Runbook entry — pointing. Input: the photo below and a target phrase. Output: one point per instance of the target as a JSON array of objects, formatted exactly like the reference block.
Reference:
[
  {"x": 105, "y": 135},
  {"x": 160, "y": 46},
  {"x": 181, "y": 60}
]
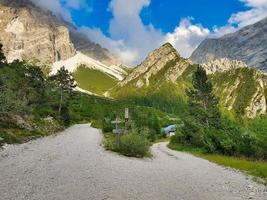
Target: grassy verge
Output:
[{"x": 257, "y": 169}]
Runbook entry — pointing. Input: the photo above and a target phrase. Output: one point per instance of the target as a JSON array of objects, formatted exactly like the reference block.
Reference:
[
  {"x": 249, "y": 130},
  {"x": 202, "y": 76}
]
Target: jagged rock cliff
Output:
[
  {"x": 222, "y": 65},
  {"x": 248, "y": 45},
  {"x": 164, "y": 61},
  {"x": 31, "y": 33},
  {"x": 27, "y": 32}
]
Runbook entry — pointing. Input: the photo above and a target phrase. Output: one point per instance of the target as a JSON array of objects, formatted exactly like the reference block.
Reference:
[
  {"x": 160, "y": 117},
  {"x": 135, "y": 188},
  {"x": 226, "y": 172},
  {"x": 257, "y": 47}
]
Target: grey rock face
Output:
[
  {"x": 249, "y": 45},
  {"x": 31, "y": 33},
  {"x": 222, "y": 65}
]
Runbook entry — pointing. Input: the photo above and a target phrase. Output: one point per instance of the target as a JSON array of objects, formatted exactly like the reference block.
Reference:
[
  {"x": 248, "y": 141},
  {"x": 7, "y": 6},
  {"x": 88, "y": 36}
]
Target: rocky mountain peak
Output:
[
  {"x": 249, "y": 45},
  {"x": 166, "y": 59}
]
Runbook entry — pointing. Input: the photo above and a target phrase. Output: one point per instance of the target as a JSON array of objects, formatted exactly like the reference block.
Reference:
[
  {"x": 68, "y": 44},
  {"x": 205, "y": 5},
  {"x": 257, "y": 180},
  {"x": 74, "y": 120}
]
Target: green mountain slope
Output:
[
  {"x": 93, "y": 80},
  {"x": 163, "y": 78}
]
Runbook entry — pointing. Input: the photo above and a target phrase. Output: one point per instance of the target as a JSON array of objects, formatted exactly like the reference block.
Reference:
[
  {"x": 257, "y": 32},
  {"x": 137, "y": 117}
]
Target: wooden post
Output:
[
  {"x": 117, "y": 131},
  {"x": 126, "y": 116}
]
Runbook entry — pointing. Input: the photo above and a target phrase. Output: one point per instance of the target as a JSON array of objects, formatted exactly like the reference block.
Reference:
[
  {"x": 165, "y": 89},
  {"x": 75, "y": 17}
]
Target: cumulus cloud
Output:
[
  {"x": 132, "y": 41},
  {"x": 127, "y": 26},
  {"x": 127, "y": 54},
  {"x": 257, "y": 11},
  {"x": 186, "y": 37}
]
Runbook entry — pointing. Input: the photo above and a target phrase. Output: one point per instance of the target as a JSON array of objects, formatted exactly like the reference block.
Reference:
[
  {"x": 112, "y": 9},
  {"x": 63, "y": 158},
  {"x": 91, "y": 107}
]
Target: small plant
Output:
[{"x": 134, "y": 145}]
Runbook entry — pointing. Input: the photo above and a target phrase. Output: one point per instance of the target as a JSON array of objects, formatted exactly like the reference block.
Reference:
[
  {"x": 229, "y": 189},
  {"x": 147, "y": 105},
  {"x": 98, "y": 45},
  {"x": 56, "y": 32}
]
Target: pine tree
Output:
[
  {"x": 65, "y": 82},
  {"x": 203, "y": 103}
]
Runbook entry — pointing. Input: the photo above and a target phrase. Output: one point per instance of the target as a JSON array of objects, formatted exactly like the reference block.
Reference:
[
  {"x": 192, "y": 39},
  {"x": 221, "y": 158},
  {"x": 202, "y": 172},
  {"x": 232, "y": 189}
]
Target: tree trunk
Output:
[{"x": 61, "y": 101}]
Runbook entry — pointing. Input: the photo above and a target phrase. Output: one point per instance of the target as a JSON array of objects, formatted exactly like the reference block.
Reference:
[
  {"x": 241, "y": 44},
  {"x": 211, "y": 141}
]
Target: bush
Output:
[
  {"x": 107, "y": 126},
  {"x": 133, "y": 145}
]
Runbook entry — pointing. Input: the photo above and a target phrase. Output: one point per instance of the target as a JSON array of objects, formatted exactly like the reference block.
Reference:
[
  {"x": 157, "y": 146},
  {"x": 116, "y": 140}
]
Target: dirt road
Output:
[{"x": 73, "y": 166}]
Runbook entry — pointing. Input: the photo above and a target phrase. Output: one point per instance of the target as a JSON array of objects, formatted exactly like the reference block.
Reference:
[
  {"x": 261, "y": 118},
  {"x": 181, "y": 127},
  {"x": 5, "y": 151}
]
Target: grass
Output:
[
  {"x": 94, "y": 81},
  {"x": 257, "y": 169}
]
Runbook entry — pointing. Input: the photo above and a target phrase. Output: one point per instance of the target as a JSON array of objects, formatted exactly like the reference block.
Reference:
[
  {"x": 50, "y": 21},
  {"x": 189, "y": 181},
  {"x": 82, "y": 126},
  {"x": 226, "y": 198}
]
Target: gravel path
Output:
[{"x": 73, "y": 166}]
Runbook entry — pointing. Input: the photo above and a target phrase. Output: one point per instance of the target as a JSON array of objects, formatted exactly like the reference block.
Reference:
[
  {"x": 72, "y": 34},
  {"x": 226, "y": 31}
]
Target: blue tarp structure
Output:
[{"x": 168, "y": 129}]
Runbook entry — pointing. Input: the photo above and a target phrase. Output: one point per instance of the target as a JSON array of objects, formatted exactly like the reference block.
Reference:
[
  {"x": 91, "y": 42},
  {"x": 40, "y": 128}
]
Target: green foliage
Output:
[
  {"x": 202, "y": 103},
  {"x": 27, "y": 96},
  {"x": 206, "y": 129},
  {"x": 93, "y": 80},
  {"x": 132, "y": 145},
  {"x": 64, "y": 83}
]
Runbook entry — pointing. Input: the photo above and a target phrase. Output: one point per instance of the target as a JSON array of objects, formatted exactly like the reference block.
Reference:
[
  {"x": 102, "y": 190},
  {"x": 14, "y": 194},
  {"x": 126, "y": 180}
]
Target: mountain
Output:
[
  {"x": 162, "y": 79},
  {"x": 164, "y": 61},
  {"x": 249, "y": 45},
  {"x": 31, "y": 33}
]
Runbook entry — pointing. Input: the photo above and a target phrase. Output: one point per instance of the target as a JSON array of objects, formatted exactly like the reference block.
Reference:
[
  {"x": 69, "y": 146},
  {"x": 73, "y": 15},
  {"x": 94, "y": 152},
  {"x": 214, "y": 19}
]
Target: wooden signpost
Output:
[{"x": 119, "y": 132}]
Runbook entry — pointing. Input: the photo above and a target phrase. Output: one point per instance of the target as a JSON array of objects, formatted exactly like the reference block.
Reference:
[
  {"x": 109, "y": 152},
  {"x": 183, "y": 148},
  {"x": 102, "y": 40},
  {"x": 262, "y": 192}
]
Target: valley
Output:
[{"x": 77, "y": 122}]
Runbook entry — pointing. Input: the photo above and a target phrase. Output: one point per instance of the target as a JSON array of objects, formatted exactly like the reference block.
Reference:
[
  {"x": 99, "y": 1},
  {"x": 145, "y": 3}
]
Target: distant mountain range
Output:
[{"x": 249, "y": 45}]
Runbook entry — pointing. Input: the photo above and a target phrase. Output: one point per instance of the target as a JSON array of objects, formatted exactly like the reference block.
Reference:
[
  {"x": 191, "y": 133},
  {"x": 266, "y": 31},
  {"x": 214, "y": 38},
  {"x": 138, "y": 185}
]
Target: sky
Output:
[{"x": 131, "y": 29}]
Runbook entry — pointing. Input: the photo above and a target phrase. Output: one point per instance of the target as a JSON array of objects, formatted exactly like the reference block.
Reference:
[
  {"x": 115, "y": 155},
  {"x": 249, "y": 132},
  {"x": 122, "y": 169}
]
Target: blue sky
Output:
[
  {"x": 164, "y": 14},
  {"x": 131, "y": 29}
]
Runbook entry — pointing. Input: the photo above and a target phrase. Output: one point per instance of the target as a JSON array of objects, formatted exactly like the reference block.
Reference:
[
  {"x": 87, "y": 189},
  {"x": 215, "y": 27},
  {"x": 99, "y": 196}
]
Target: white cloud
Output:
[
  {"x": 257, "y": 11},
  {"x": 132, "y": 41},
  {"x": 126, "y": 25},
  {"x": 118, "y": 47},
  {"x": 186, "y": 37}
]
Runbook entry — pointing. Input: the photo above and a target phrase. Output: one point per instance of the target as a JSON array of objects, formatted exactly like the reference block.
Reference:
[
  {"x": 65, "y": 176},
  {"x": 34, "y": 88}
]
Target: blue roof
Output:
[{"x": 170, "y": 128}]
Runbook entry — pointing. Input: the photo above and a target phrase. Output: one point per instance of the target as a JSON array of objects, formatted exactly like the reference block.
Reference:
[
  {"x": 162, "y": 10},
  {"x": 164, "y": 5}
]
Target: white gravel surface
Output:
[{"x": 73, "y": 166}]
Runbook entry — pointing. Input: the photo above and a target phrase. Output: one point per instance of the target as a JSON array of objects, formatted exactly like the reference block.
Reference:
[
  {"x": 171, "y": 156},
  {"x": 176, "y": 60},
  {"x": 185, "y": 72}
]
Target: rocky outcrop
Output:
[
  {"x": 164, "y": 61},
  {"x": 27, "y": 32},
  {"x": 222, "y": 65},
  {"x": 31, "y": 33},
  {"x": 241, "y": 90},
  {"x": 249, "y": 45}
]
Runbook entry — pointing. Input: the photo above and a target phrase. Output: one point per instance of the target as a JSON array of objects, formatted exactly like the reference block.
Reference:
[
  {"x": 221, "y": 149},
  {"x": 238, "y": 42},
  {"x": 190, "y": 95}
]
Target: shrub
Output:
[
  {"x": 107, "y": 126},
  {"x": 133, "y": 145}
]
